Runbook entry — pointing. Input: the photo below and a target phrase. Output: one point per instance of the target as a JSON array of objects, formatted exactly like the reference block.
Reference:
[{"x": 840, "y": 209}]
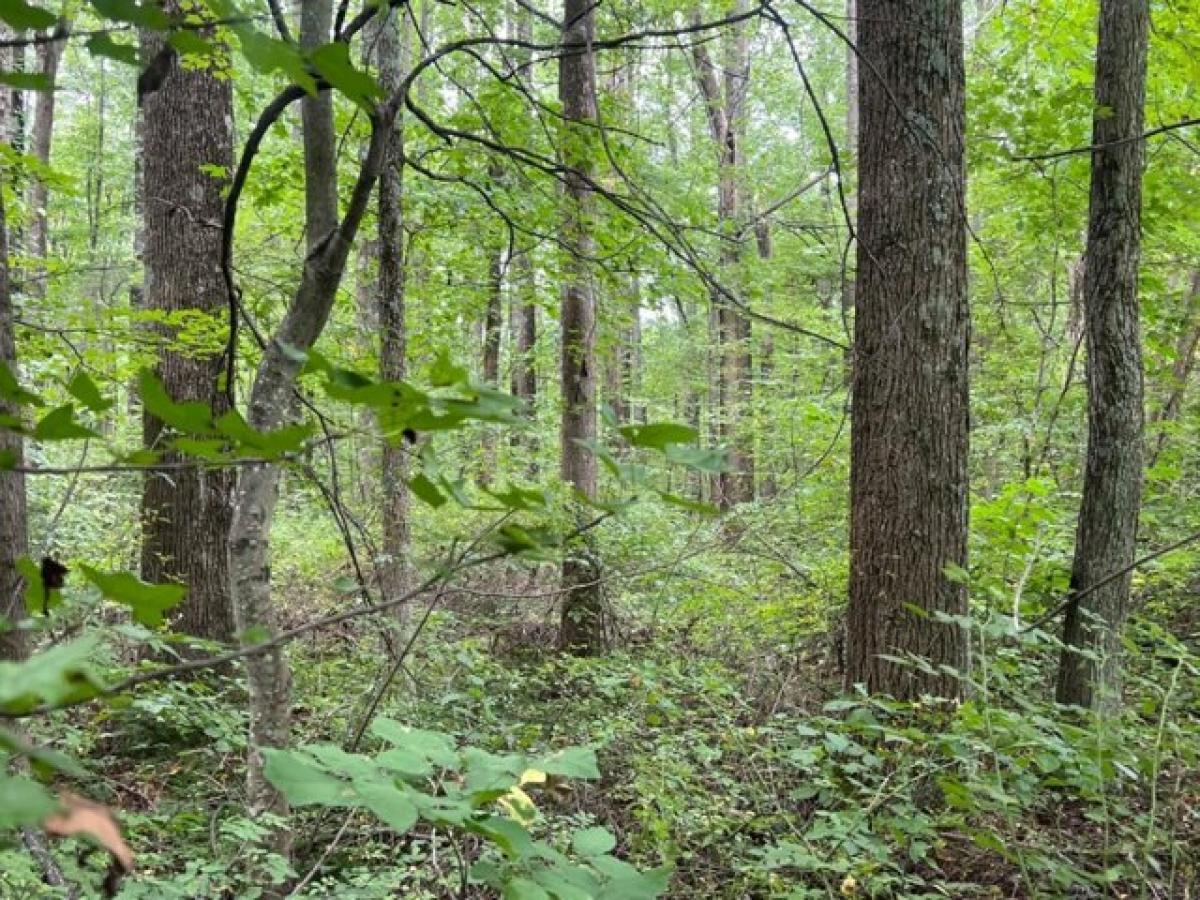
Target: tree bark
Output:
[
  {"x": 393, "y": 328},
  {"x": 1105, "y": 541},
  {"x": 14, "y": 534},
  {"x": 267, "y": 674},
  {"x": 187, "y": 124},
  {"x": 583, "y": 626},
  {"x": 908, "y": 481},
  {"x": 732, "y": 386},
  {"x": 524, "y": 311},
  {"x": 49, "y": 55}
]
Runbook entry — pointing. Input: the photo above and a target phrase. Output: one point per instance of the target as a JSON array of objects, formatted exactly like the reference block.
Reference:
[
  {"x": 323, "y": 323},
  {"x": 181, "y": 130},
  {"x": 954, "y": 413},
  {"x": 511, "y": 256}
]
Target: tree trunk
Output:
[
  {"x": 583, "y": 626},
  {"x": 187, "y": 124},
  {"x": 49, "y": 55},
  {"x": 729, "y": 328},
  {"x": 1181, "y": 369},
  {"x": 393, "y": 330},
  {"x": 493, "y": 325},
  {"x": 14, "y": 539},
  {"x": 1108, "y": 517},
  {"x": 267, "y": 675},
  {"x": 524, "y": 311},
  {"x": 908, "y": 481}
]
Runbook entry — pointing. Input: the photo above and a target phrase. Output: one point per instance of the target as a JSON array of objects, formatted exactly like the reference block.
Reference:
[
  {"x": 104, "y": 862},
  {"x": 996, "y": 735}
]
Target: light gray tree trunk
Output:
[
  {"x": 49, "y": 55},
  {"x": 1105, "y": 541},
  {"x": 187, "y": 125},
  {"x": 395, "y": 574},
  {"x": 724, "y": 93},
  {"x": 583, "y": 626},
  {"x": 267, "y": 675},
  {"x": 908, "y": 482}
]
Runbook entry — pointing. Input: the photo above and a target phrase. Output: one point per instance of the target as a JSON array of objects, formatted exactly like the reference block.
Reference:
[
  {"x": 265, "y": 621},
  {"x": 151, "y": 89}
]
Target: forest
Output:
[{"x": 599, "y": 449}]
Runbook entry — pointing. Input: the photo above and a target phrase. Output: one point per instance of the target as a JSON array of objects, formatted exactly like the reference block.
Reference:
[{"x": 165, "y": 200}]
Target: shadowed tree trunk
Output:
[
  {"x": 1108, "y": 517},
  {"x": 732, "y": 374},
  {"x": 187, "y": 125},
  {"x": 1181, "y": 369},
  {"x": 583, "y": 627},
  {"x": 493, "y": 325},
  {"x": 14, "y": 540},
  {"x": 523, "y": 316},
  {"x": 908, "y": 481},
  {"x": 393, "y": 329}
]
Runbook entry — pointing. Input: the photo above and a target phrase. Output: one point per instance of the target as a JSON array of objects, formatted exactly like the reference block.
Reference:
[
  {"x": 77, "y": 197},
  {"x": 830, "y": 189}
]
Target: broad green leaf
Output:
[
  {"x": 333, "y": 62},
  {"x": 697, "y": 506},
  {"x": 573, "y": 762},
  {"x": 60, "y": 425},
  {"x": 27, "y": 81},
  {"x": 24, "y": 16},
  {"x": 659, "y": 435},
  {"x": 145, "y": 15},
  {"x": 102, "y": 44},
  {"x": 698, "y": 458},
  {"x": 389, "y": 803},
  {"x": 593, "y": 841},
  {"x": 52, "y": 677},
  {"x": 426, "y": 490},
  {"x": 83, "y": 389},
  {"x": 148, "y": 602},
  {"x": 270, "y": 444},
  {"x": 524, "y": 889},
  {"x": 23, "y": 801},
  {"x": 267, "y": 55},
  {"x": 191, "y": 418},
  {"x": 11, "y": 390},
  {"x": 434, "y": 746},
  {"x": 302, "y": 781}
]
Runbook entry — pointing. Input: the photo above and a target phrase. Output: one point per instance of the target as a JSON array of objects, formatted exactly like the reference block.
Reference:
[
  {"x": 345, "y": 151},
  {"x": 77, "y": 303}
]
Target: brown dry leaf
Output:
[{"x": 81, "y": 816}]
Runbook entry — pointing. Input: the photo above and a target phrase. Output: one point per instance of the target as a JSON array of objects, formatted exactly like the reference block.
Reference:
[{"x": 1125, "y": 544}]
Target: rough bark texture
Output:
[
  {"x": 394, "y": 570},
  {"x": 187, "y": 125},
  {"x": 14, "y": 541},
  {"x": 1108, "y": 517},
  {"x": 730, "y": 328},
  {"x": 909, "y": 431},
  {"x": 49, "y": 55},
  {"x": 582, "y": 629}
]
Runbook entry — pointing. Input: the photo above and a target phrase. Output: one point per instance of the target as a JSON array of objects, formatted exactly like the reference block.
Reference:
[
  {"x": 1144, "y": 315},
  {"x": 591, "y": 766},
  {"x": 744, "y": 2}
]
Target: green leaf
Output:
[
  {"x": 52, "y": 677},
  {"x": 267, "y": 55},
  {"x": 333, "y": 62},
  {"x": 191, "y": 418},
  {"x": 434, "y": 746},
  {"x": 60, "y": 425},
  {"x": 24, "y": 16},
  {"x": 389, "y": 803},
  {"x": 83, "y": 389},
  {"x": 697, "y": 506},
  {"x": 27, "y": 81},
  {"x": 11, "y": 390},
  {"x": 524, "y": 889},
  {"x": 593, "y": 841},
  {"x": 102, "y": 44},
  {"x": 145, "y": 15},
  {"x": 191, "y": 44},
  {"x": 426, "y": 490},
  {"x": 302, "y": 781},
  {"x": 269, "y": 444},
  {"x": 658, "y": 436},
  {"x": 148, "y": 602},
  {"x": 699, "y": 458},
  {"x": 574, "y": 762},
  {"x": 23, "y": 802}
]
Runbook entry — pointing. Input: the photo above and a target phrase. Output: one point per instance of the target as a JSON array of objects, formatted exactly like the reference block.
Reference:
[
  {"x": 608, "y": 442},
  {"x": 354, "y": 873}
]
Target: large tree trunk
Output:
[
  {"x": 393, "y": 329},
  {"x": 493, "y": 326},
  {"x": 49, "y": 55},
  {"x": 14, "y": 540},
  {"x": 187, "y": 125},
  {"x": 583, "y": 627},
  {"x": 1112, "y": 488},
  {"x": 732, "y": 373},
  {"x": 909, "y": 430}
]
